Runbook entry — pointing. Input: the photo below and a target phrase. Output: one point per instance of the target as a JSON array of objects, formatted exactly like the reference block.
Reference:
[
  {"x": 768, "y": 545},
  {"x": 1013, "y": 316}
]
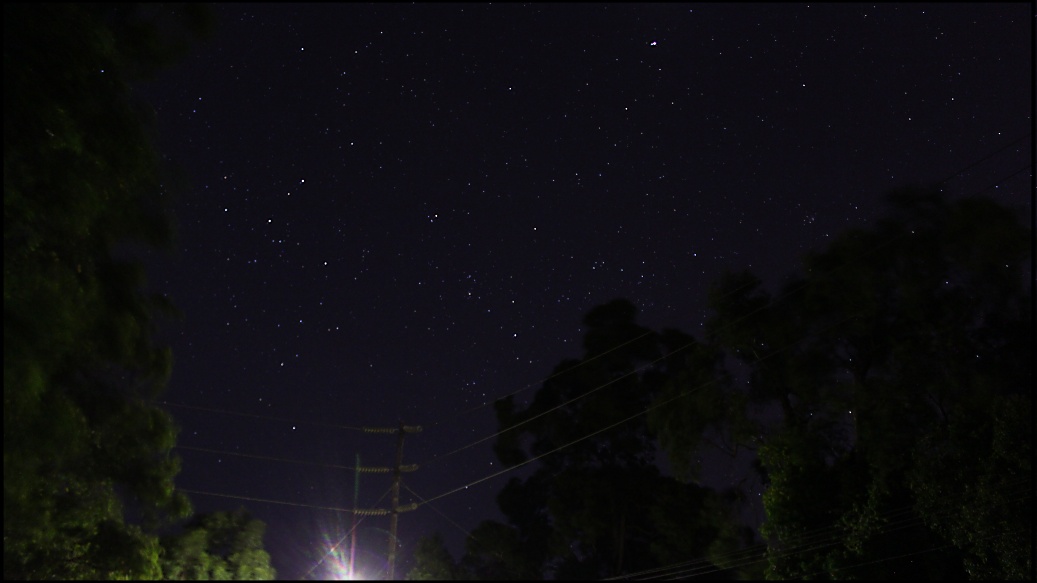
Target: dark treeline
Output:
[
  {"x": 88, "y": 468},
  {"x": 897, "y": 364},
  {"x": 884, "y": 393}
]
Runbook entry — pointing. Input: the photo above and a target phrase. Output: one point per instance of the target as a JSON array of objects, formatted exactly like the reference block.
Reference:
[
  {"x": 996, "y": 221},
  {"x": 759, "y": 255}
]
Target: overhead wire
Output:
[
  {"x": 882, "y": 560},
  {"x": 363, "y": 513},
  {"x": 770, "y": 305},
  {"x": 819, "y": 538},
  {"x": 639, "y": 369},
  {"x": 264, "y": 417},
  {"x": 361, "y": 469},
  {"x": 357, "y": 511},
  {"x": 588, "y": 436},
  {"x": 541, "y": 381},
  {"x": 528, "y": 386},
  {"x": 634, "y": 416},
  {"x": 773, "y": 302},
  {"x": 423, "y": 501},
  {"x": 351, "y": 531},
  {"x": 811, "y": 540},
  {"x": 469, "y": 536},
  {"x": 568, "y": 370},
  {"x": 753, "y": 556},
  {"x": 1011, "y": 143},
  {"x": 367, "y": 429},
  {"x": 1006, "y": 178},
  {"x": 620, "y": 422}
]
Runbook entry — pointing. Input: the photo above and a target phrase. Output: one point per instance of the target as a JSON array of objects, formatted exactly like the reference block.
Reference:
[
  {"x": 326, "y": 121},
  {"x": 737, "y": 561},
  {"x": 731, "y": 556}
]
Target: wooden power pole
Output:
[
  {"x": 352, "y": 531},
  {"x": 397, "y": 471}
]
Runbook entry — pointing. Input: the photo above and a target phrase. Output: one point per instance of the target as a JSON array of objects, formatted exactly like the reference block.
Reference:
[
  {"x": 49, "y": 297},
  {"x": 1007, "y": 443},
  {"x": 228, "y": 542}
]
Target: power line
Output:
[
  {"x": 448, "y": 519},
  {"x": 808, "y": 541},
  {"x": 812, "y": 540},
  {"x": 987, "y": 157},
  {"x": 378, "y": 512},
  {"x": 540, "y": 382},
  {"x": 634, "y": 416},
  {"x": 358, "y": 511},
  {"x": 655, "y": 406},
  {"x": 552, "y": 376},
  {"x": 544, "y": 380},
  {"x": 362, "y": 469},
  {"x": 1005, "y": 179},
  {"x": 468, "y": 535},
  {"x": 266, "y": 417},
  {"x": 770, "y": 305},
  {"x": 883, "y": 560},
  {"x": 348, "y": 533}
]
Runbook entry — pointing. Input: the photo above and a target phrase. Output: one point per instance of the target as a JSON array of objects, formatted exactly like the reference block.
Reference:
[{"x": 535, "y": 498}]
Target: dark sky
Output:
[{"x": 401, "y": 212}]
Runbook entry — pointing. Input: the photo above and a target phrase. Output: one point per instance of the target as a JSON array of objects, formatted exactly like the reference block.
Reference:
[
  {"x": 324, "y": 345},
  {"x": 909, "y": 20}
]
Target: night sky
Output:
[{"x": 398, "y": 213}]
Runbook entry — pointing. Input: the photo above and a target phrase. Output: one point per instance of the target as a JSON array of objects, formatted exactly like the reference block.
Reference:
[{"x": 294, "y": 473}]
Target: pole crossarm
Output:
[
  {"x": 400, "y": 431},
  {"x": 407, "y": 508},
  {"x": 385, "y": 511},
  {"x": 373, "y": 470},
  {"x": 384, "y": 470},
  {"x": 404, "y": 428}
]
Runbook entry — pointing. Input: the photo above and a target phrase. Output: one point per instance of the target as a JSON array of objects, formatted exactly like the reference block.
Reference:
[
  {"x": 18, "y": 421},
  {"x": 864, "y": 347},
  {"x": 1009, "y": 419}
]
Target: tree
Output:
[
  {"x": 495, "y": 552},
  {"x": 81, "y": 181},
  {"x": 973, "y": 483},
  {"x": 586, "y": 512},
  {"x": 433, "y": 561},
  {"x": 896, "y": 360},
  {"x": 895, "y": 373},
  {"x": 221, "y": 546}
]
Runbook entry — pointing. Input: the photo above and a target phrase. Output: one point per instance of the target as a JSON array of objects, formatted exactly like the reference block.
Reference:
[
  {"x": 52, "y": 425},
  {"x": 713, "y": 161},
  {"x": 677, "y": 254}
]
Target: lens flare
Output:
[{"x": 333, "y": 562}]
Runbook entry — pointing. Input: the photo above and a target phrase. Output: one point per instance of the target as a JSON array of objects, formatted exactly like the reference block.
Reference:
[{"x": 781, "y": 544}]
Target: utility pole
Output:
[
  {"x": 397, "y": 471},
  {"x": 395, "y": 513},
  {"x": 356, "y": 502}
]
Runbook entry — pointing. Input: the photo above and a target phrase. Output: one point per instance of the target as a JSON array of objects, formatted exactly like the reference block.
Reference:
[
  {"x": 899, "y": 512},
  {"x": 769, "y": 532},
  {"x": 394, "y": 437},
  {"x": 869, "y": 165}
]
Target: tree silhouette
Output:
[
  {"x": 896, "y": 359},
  {"x": 897, "y": 373},
  {"x": 598, "y": 505},
  {"x": 221, "y": 546},
  {"x": 81, "y": 181}
]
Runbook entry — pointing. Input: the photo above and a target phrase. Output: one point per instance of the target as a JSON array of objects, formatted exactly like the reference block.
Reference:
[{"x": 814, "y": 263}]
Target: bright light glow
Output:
[
  {"x": 332, "y": 552},
  {"x": 334, "y": 562},
  {"x": 336, "y": 565}
]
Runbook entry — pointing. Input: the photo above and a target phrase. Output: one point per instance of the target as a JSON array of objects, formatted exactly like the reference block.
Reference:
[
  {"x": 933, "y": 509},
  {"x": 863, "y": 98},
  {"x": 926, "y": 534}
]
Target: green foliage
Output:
[
  {"x": 221, "y": 546},
  {"x": 495, "y": 552},
  {"x": 598, "y": 506},
  {"x": 81, "y": 179},
  {"x": 695, "y": 399},
  {"x": 892, "y": 359},
  {"x": 901, "y": 363},
  {"x": 973, "y": 483},
  {"x": 433, "y": 562}
]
